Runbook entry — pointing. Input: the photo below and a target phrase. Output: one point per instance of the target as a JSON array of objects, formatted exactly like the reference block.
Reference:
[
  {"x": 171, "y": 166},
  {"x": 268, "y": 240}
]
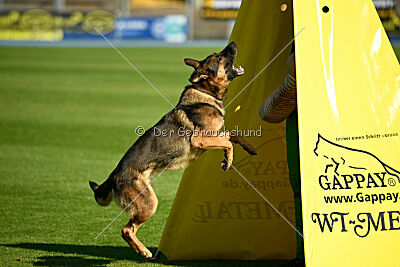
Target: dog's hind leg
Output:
[
  {"x": 140, "y": 210},
  {"x": 129, "y": 235}
]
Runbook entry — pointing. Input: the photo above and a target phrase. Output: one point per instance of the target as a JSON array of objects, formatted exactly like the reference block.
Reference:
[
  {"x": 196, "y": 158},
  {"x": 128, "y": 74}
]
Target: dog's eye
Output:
[{"x": 219, "y": 58}]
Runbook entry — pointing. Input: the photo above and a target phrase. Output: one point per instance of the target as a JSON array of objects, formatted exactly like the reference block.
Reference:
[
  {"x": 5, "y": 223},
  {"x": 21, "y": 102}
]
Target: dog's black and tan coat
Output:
[{"x": 200, "y": 110}]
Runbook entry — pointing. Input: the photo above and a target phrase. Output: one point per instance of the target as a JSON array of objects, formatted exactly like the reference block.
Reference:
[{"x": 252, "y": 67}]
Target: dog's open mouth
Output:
[{"x": 239, "y": 70}]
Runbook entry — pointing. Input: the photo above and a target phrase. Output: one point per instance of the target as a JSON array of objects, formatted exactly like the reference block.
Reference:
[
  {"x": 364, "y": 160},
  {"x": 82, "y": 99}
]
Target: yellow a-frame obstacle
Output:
[{"x": 348, "y": 81}]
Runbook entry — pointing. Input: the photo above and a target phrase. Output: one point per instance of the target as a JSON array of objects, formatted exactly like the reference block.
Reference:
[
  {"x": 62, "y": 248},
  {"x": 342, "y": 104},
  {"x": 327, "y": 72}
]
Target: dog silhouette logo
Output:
[{"x": 346, "y": 168}]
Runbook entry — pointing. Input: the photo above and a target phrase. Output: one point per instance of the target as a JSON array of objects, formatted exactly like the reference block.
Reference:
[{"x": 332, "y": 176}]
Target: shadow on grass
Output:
[
  {"x": 69, "y": 261},
  {"x": 107, "y": 254}
]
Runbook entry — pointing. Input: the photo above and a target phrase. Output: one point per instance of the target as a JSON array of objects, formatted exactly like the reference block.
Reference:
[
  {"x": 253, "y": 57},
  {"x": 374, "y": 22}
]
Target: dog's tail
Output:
[{"x": 103, "y": 192}]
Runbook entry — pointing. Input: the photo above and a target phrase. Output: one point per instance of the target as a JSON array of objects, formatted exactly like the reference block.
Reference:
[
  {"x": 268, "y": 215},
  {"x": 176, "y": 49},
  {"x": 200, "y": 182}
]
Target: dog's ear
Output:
[{"x": 192, "y": 62}]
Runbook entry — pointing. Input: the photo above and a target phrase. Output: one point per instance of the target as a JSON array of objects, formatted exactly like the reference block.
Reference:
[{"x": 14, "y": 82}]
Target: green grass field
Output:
[{"x": 67, "y": 115}]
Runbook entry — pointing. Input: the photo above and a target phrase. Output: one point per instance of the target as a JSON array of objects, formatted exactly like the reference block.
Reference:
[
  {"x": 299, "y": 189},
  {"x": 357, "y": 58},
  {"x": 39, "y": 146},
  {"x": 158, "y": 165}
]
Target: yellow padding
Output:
[
  {"x": 348, "y": 85},
  {"x": 216, "y": 214}
]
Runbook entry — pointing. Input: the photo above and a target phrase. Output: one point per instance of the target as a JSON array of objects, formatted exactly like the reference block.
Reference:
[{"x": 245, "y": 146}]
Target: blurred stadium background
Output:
[{"x": 158, "y": 20}]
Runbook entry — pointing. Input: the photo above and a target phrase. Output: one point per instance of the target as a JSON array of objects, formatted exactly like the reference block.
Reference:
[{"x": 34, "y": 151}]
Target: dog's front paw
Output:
[{"x": 225, "y": 164}]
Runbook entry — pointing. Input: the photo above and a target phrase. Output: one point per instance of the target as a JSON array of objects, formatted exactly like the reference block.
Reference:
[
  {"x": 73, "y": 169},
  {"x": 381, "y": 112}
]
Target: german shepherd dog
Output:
[{"x": 200, "y": 111}]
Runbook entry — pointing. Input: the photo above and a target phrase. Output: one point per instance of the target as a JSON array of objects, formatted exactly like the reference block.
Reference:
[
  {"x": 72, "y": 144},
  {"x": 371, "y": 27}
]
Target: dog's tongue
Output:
[{"x": 239, "y": 71}]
